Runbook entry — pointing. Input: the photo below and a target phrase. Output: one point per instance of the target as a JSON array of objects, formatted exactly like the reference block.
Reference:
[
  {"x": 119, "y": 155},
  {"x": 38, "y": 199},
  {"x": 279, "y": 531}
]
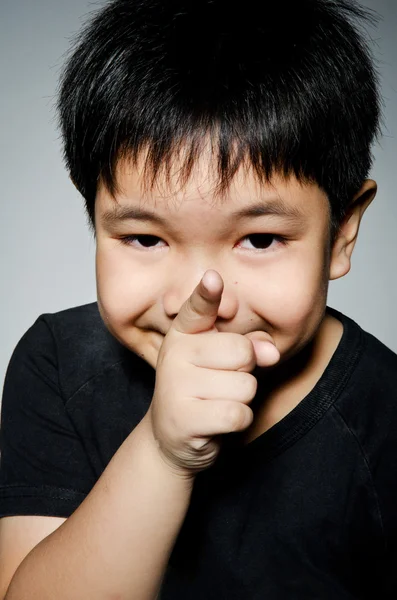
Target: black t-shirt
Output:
[{"x": 308, "y": 510}]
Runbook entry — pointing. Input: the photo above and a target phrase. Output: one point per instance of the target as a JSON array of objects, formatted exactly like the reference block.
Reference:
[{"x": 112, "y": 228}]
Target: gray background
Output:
[{"x": 47, "y": 252}]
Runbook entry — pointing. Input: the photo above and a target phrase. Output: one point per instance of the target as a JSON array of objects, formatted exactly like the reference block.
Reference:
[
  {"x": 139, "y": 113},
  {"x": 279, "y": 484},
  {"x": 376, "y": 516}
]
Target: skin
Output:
[{"x": 269, "y": 286}]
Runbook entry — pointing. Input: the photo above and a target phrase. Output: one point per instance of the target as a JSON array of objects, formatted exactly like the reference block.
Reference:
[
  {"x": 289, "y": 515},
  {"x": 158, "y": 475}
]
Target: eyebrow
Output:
[{"x": 273, "y": 207}]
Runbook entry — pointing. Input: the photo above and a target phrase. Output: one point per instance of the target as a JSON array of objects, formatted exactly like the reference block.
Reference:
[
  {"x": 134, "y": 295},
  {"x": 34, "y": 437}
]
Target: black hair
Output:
[{"x": 281, "y": 86}]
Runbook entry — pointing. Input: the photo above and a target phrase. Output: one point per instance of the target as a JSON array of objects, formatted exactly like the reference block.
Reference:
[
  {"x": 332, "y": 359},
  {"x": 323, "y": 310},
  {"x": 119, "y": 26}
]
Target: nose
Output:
[{"x": 182, "y": 286}]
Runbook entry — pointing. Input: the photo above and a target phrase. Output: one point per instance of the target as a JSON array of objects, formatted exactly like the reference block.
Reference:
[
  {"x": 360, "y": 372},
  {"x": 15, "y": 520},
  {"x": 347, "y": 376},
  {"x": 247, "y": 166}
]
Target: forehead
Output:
[{"x": 244, "y": 197}]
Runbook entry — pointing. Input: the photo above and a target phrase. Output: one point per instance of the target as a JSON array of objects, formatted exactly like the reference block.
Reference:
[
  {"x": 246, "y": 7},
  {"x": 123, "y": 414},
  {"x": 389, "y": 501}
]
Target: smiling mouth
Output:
[{"x": 159, "y": 336}]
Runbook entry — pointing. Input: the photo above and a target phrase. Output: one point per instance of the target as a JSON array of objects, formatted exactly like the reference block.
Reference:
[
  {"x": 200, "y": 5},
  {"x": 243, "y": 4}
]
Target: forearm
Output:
[{"x": 118, "y": 542}]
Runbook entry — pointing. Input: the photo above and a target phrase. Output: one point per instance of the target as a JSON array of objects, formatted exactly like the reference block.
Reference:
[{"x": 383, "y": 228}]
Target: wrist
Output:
[{"x": 147, "y": 436}]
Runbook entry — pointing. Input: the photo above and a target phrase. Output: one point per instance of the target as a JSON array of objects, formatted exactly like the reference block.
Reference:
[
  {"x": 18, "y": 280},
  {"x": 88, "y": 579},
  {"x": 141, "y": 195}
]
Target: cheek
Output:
[
  {"x": 123, "y": 295},
  {"x": 119, "y": 296},
  {"x": 296, "y": 295}
]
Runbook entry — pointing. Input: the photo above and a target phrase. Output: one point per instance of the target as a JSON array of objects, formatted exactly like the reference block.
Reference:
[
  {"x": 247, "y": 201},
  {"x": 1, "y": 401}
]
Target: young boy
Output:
[{"x": 209, "y": 428}]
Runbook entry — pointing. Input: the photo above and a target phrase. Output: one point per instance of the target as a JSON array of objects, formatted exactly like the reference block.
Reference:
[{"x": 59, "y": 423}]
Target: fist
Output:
[{"x": 203, "y": 381}]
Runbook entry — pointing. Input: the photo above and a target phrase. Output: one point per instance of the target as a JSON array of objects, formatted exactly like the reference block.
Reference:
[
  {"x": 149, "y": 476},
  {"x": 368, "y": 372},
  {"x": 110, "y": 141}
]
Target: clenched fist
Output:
[{"x": 203, "y": 381}]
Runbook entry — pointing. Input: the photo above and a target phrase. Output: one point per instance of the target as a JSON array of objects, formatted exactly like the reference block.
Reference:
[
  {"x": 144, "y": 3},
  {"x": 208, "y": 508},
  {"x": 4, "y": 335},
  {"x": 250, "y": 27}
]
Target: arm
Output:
[
  {"x": 19, "y": 534},
  {"x": 118, "y": 542}
]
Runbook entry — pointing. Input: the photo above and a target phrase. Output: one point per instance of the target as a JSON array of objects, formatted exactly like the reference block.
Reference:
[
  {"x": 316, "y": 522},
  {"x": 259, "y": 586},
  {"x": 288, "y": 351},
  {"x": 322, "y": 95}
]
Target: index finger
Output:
[{"x": 200, "y": 310}]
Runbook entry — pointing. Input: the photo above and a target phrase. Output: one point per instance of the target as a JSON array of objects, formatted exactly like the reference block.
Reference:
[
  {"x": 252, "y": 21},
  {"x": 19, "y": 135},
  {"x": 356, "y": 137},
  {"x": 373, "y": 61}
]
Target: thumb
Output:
[
  {"x": 265, "y": 349},
  {"x": 200, "y": 310}
]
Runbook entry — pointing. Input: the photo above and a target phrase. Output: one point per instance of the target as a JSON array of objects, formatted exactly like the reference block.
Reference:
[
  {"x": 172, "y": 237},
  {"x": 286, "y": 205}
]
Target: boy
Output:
[{"x": 209, "y": 428}]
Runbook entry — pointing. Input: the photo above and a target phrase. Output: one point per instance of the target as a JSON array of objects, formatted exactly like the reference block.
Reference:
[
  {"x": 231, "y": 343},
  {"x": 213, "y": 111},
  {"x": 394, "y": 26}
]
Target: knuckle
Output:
[
  {"x": 193, "y": 309},
  {"x": 252, "y": 384},
  {"x": 234, "y": 416},
  {"x": 249, "y": 385},
  {"x": 246, "y": 353},
  {"x": 246, "y": 361}
]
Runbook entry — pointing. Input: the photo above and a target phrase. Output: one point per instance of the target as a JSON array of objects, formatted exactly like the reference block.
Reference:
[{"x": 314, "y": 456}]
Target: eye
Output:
[
  {"x": 264, "y": 241},
  {"x": 141, "y": 241}
]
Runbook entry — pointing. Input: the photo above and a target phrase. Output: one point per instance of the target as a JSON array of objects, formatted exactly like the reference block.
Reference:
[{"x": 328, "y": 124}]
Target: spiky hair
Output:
[{"x": 281, "y": 86}]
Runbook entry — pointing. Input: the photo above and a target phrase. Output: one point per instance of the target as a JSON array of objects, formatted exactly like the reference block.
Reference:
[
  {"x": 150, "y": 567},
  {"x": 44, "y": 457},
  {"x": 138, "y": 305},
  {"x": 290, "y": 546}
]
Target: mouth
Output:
[{"x": 158, "y": 338}]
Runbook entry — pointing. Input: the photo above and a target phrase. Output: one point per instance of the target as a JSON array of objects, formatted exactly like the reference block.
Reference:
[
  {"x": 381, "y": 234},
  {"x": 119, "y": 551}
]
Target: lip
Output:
[
  {"x": 158, "y": 332},
  {"x": 159, "y": 336},
  {"x": 151, "y": 330}
]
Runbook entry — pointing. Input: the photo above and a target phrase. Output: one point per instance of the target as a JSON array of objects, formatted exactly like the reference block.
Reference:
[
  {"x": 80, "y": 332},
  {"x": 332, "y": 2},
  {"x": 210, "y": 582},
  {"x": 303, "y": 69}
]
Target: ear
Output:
[{"x": 345, "y": 240}]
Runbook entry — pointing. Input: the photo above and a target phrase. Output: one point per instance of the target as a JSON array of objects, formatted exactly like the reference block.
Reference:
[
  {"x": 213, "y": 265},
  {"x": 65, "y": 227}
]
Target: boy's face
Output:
[{"x": 274, "y": 262}]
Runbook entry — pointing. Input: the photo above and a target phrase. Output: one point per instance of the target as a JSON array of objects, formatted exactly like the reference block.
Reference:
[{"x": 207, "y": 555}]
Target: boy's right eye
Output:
[{"x": 141, "y": 241}]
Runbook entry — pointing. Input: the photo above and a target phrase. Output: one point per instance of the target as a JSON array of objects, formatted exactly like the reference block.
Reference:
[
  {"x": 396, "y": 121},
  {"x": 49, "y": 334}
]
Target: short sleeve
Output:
[{"x": 41, "y": 456}]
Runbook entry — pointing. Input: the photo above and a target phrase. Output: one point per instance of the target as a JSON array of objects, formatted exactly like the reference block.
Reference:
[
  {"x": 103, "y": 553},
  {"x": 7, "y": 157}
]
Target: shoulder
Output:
[
  {"x": 373, "y": 382},
  {"x": 367, "y": 407},
  {"x": 380, "y": 360},
  {"x": 73, "y": 344},
  {"x": 370, "y": 365},
  {"x": 368, "y": 402},
  {"x": 371, "y": 389}
]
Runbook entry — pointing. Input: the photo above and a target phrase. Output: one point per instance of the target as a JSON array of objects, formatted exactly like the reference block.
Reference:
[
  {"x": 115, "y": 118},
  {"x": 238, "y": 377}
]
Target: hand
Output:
[{"x": 203, "y": 381}]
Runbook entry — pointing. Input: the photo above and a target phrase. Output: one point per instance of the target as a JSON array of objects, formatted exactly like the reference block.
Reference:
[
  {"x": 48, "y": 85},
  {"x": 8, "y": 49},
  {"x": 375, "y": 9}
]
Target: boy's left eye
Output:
[{"x": 263, "y": 241}]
